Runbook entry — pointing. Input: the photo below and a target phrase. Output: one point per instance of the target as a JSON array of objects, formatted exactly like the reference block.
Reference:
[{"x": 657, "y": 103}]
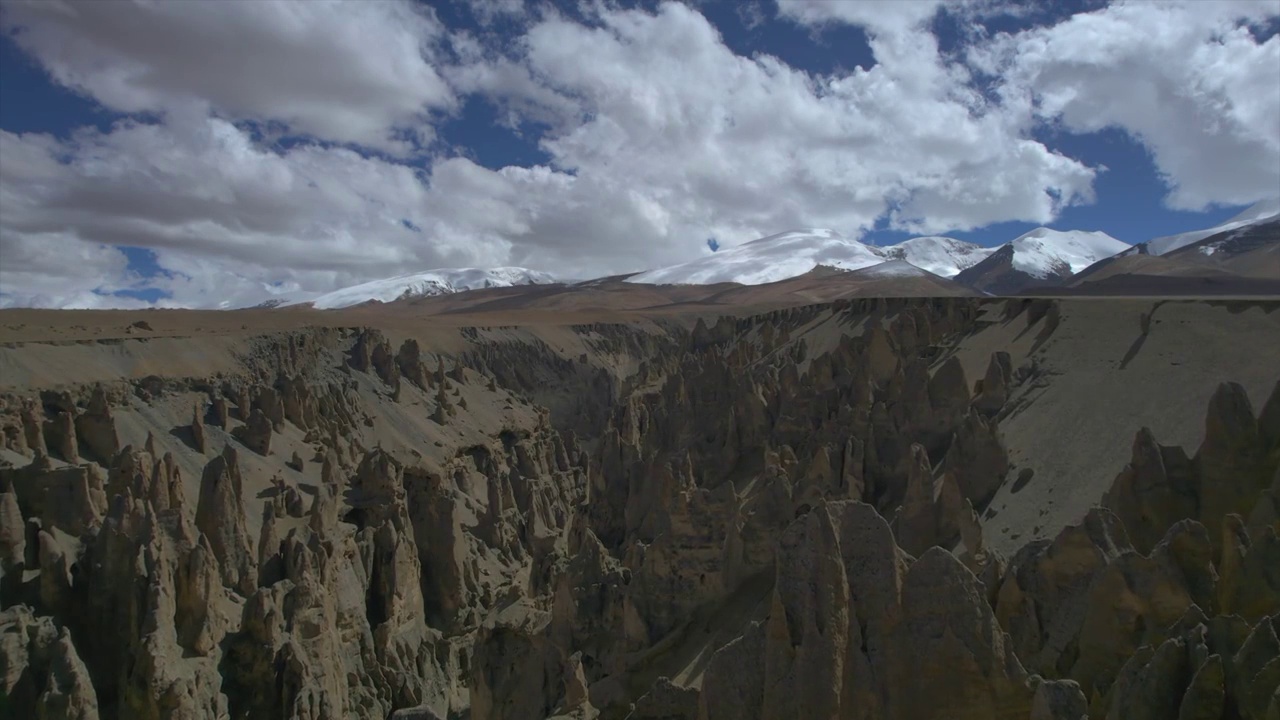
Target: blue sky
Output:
[{"x": 601, "y": 137}]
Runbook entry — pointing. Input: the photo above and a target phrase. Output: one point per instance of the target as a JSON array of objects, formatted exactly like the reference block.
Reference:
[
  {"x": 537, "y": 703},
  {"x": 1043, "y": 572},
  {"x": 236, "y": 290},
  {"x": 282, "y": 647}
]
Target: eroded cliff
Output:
[{"x": 804, "y": 513}]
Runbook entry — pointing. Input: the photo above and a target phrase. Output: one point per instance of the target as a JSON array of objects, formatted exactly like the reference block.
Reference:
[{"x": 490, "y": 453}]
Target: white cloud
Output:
[
  {"x": 752, "y": 144},
  {"x": 664, "y": 137},
  {"x": 486, "y": 12},
  {"x": 876, "y": 16},
  {"x": 352, "y": 72},
  {"x": 203, "y": 190},
  {"x": 55, "y": 270},
  {"x": 1189, "y": 80}
]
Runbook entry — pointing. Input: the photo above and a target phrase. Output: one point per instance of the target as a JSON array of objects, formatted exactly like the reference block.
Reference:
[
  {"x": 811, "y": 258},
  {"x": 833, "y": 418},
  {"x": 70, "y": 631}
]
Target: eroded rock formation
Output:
[{"x": 736, "y": 518}]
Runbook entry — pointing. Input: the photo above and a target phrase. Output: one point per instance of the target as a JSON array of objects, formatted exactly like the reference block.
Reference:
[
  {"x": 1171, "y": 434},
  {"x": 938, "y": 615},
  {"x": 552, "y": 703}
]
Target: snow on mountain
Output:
[
  {"x": 767, "y": 260},
  {"x": 1264, "y": 210},
  {"x": 1044, "y": 253},
  {"x": 939, "y": 255},
  {"x": 432, "y": 282},
  {"x": 893, "y": 269}
]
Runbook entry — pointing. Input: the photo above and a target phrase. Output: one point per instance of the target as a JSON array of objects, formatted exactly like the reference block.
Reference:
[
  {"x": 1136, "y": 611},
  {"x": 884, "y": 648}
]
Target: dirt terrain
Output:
[{"x": 627, "y": 501}]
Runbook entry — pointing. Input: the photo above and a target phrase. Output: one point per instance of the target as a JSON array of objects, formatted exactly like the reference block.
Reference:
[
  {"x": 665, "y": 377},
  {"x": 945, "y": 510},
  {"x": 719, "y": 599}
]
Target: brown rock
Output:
[
  {"x": 1151, "y": 684},
  {"x": 33, "y": 430},
  {"x": 994, "y": 392},
  {"x": 1230, "y": 462},
  {"x": 255, "y": 433},
  {"x": 1248, "y": 673},
  {"x": 948, "y": 392},
  {"x": 61, "y": 435},
  {"x": 197, "y": 428},
  {"x": 409, "y": 360},
  {"x": 1250, "y": 584},
  {"x": 948, "y": 644},
  {"x": 977, "y": 458},
  {"x": 221, "y": 415},
  {"x": 14, "y": 439},
  {"x": 323, "y": 515},
  {"x": 916, "y": 523},
  {"x": 41, "y": 672},
  {"x": 807, "y": 634},
  {"x": 12, "y": 537},
  {"x": 270, "y": 563},
  {"x": 1155, "y": 490},
  {"x": 96, "y": 428},
  {"x": 220, "y": 516},
  {"x": 1059, "y": 700},
  {"x": 733, "y": 684},
  {"x": 1206, "y": 695}
]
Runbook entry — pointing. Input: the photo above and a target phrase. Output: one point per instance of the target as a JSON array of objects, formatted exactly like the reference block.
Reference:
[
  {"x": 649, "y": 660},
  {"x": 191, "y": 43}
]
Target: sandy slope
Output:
[{"x": 1103, "y": 379}]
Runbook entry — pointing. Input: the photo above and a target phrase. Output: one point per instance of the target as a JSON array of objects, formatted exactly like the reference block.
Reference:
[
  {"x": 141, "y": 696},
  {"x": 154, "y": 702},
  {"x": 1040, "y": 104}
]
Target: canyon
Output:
[{"x": 907, "y": 508}]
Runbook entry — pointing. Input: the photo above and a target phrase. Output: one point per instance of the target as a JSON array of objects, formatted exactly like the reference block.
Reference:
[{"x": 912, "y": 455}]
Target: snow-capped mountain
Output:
[
  {"x": 939, "y": 255},
  {"x": 893, "y": 269},
  {"x": 1042, "y": 252},
  {"x": 1259, "y": 212},
  {"x": 767, "y": 260},
  {"x": 1040, "y": 257},
  {"x": 431, "y": 282}
]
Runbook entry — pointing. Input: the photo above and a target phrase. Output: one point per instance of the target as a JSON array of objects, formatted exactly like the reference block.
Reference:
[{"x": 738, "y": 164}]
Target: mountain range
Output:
[{"x": 1242, "y": 254}]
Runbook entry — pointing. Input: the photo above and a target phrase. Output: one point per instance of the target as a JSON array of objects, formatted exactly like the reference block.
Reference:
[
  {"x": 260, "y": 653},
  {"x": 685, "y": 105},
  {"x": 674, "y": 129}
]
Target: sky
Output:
[{"x": 212, "y": 154}]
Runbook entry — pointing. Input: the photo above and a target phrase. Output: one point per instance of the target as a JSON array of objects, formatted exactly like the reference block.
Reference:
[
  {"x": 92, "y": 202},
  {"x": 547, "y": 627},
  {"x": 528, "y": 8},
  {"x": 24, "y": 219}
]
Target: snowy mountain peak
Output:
[
  {"x": 1045, "y": 252},
  {"x": 799, "y": 234},
  {"x": 1257, "y": 212},
  {"x": 892, "y": 269},
  {"x": 432, "y": 282},
  {"x": 769, "y": 259},
  {"x": 1263, "y": 210},
  {"x": 939, "y": 255}
]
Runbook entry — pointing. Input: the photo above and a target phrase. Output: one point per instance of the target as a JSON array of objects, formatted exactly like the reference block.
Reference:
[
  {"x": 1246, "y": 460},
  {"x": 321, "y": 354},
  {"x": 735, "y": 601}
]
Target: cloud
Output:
[
  {"x": 665, "y": 137},
  {"x": 1189, "y": 80},
  {"x": 751, "y": 143},
  {"x": 876, "y": 16},
  {"x": 350, "y": 72},
  {"x": 56, "y": 269},
  {"x": 486, "y": 12},
  {"x": 203, "y": 189}
]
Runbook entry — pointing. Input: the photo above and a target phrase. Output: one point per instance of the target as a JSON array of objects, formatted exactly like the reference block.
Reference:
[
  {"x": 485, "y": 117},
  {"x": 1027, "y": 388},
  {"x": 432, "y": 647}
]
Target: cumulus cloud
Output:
[
  {"x": 658, "y": 136},
  {"x": 710, "y": 135},
  {"x": 51, "y": 270},
  {"x": 1189, "y": 80},
  {"x": 352, "y": 72},
  {"x": 204, "y": 190}
]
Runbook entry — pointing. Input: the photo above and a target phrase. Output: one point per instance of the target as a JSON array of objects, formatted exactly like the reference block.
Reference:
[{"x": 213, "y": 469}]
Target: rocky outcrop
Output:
[
  {"x": 60, "y": 433},
  {"x": 1230, "y": 474},
  {"x": 42, "y": 673},
  {"x": 255, "y": 434},
  {"x": 947, "y": 643},
  {"x": 197, "y": 429},
  {"x": 220, "y": 516},
  {"x": 992, "y": 390},
  {"x": 1058, "y": 700},
  {"x": 96, "y": 428}
]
